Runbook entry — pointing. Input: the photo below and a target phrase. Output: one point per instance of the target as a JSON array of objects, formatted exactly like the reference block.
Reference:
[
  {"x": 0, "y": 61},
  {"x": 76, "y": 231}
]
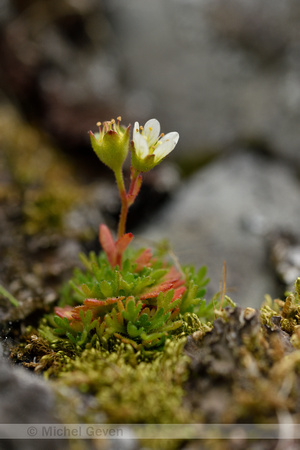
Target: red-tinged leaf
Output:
[
  {"x": 134, "y": 190},
  {"x": 98, "y": 307},
  {"x": 64, "y": 312},
  {"x": 75, "y": 313},
  {"x": 173, "y": 274},
  {"x": 92, "y": 302},
  {"x": 129, "y": 299},
  {"x": 158, "y": 289},
  {"x": 120, "y": 305},
  {"x": 175, "y": 277},
  {"x": 73, "y": 317},
  {"x": 108, "y": 244},
  {"x": 136, "y": 182},
  {"x": 178, "y": 283},
  {"x": 144, "y": 260},
  {"x": 112, "y": 300},
  {"x": 121, "y": 245},
  {"x": 149, "y": 295},
  {"x": 178, "y": 293},
  {"x": 175, "y": 282},
  {"x": 123, "y": 242}
]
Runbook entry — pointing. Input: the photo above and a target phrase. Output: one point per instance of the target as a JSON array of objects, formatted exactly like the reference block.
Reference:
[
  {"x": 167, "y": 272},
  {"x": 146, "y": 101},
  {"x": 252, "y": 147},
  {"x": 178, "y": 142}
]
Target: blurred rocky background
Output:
[{"x": 224, "y": 74}]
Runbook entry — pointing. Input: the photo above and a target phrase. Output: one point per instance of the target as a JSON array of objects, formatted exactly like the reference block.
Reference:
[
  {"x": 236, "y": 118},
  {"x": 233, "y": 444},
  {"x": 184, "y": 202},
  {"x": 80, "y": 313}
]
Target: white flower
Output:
[{"x": 149, "y": 146}]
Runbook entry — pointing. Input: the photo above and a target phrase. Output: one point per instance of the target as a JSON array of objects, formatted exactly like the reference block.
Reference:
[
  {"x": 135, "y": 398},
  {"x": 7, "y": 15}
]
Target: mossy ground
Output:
[
  {"x": 120, "y": 386},
  {"x": 244, "y": 369}
]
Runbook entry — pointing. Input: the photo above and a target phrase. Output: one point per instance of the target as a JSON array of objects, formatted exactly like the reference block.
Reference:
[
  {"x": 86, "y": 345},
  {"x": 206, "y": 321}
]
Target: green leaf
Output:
[
  {"x": 87, "y": 262},
  {"x": 126, "y": 265},
  {"x": 144, "y": 321},
  {"x": 97, "y": 272},
  {"x": 113, "y": 324},
  {"x": 71, "y": 337},
  {"x": 159, "y": 319},
  {"x": 132, "y": 310},
  {"x": 141, "y": 284},
  {"x": 133, "y": 331},
  {"x": 86, "y": 317},
  {"x": 86, "y": 290},
  {"x": 97, "y": 291},
  {"x": 124, "y": 286},
  {"x": 173, "y": 326},
  {"x": 156, "y": 337},
  {"x": 202, "y": 272},
  {"x": 157, "y": 274},
  {"x": 61, "y": 322},
  {"x": 106, "y": 288},
  {"x": 164, "y": 300}
]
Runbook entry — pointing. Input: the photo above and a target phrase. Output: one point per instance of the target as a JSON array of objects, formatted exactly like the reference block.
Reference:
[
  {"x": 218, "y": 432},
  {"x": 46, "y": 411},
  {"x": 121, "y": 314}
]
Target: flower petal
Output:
[
  {"x": 162, "y": 151},
  {"x": 151, "y": 131},
  {"x": 173, "y": 136},
  {"x": 166, "y": 145},
  {"x": 136, "y": 130},
  {"x": 140, "y": 145}
]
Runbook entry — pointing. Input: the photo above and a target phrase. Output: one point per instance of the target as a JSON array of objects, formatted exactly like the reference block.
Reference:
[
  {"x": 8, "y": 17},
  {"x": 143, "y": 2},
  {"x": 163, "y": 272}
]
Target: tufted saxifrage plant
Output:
[{"x": 125, "y": 294}]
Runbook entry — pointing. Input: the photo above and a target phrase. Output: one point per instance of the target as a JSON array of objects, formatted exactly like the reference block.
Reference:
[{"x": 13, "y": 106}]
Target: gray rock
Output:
[
  {"x": 226, "y": 213},
  {"x": 218, "y": 72},
  {"x": 25, "y": 399},
  {"x": 60, "y": 63}
]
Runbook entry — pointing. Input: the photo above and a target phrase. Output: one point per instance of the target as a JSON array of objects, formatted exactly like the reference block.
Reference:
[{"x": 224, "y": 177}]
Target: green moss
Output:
[
  {"x": 128, "y": 391},
  {"x": 270, "y": 308},
  {"x": 288, "y": 311}
]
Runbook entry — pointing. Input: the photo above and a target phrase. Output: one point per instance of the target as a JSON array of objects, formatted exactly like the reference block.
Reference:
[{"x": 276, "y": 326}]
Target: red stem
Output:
[{"x": 127, "y": 199}]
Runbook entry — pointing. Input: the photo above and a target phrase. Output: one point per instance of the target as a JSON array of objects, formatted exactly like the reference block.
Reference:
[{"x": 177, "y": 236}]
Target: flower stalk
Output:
[
  {"x": 124, "y": 203},
  {"x": 127, "y": 199}
]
